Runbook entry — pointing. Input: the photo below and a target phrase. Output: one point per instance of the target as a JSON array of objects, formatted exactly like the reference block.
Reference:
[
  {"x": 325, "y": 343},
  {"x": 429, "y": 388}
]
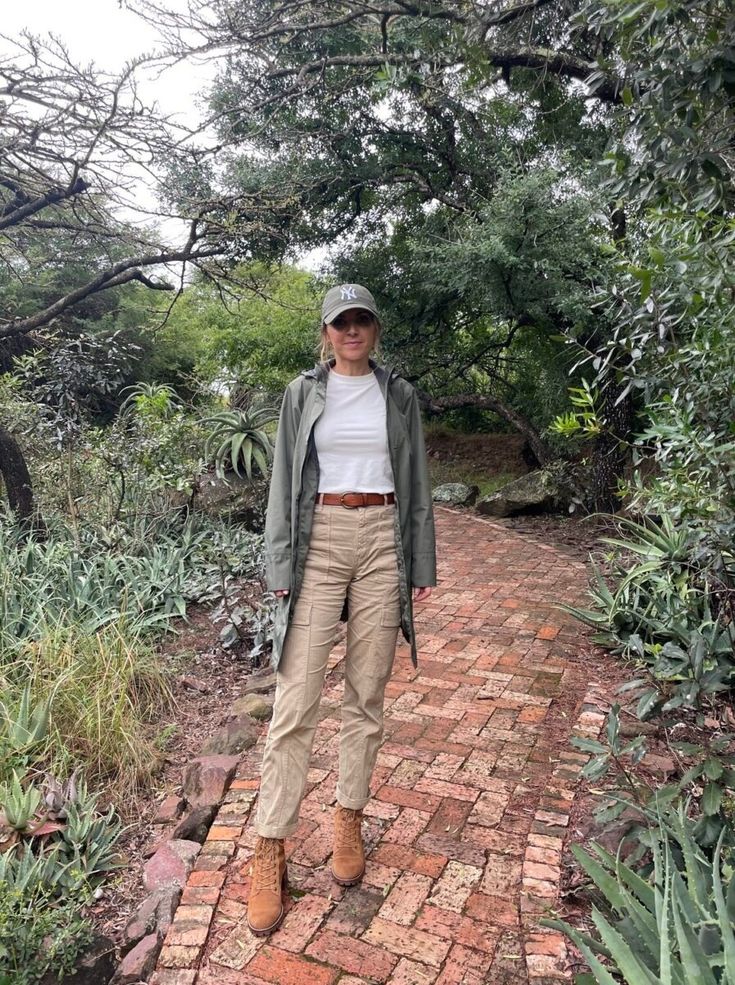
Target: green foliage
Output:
[
  {"x": 23, "y": 725},
  {"x": 39, "y": 933},
  {"x": 584, "y": 419},
  {"x": 155, "y": 401},
  {"x": 672, "y": 929},
  {"x": 238, "y": 440},
  {"x": 45, "y": 883},
  {"x": 260, "y": 340},
  {"x": 478, "y": 303},
  {"x": 708, "y": 783},
  {"x": 94, "y": 576},
  {"x": 670, "y": 610}
]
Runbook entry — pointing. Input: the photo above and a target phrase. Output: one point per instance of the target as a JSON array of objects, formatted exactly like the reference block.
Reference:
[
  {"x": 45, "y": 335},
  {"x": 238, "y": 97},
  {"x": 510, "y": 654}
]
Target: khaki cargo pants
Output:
[{"x": 351, "y": 553}]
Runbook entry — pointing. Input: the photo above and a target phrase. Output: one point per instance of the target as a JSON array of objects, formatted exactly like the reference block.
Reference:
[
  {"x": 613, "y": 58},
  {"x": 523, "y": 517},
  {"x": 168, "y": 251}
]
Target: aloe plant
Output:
[
  {"x": 238, "y": 440},
  {"x": 674, "y": 928}
]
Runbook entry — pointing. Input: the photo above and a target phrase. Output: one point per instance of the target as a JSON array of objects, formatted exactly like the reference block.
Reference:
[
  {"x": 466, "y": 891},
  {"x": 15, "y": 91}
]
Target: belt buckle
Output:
[{"x": 345, "y": 505}]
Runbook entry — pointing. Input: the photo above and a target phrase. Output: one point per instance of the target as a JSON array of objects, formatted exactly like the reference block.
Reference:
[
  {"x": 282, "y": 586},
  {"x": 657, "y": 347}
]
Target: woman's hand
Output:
[
  {"x": 280, "y": 592},
  {"x": 420, "y": 594}
]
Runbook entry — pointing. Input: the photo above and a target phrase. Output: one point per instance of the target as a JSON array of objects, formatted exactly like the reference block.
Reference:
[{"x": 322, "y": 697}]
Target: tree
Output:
[
  {"x": 99, "y": 191},
  {"x": 260, "y": 341},
  {"x": 400, "y": 121}
]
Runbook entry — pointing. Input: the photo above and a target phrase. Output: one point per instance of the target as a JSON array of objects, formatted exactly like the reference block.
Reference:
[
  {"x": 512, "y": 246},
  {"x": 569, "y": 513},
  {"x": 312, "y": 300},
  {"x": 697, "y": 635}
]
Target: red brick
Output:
[
  {"x": 200, "y": 895},
  {"x": 274, "y": 965},
  {"x": 411, "y": 973},
  {"x": 302, "y": 922},
  {"x": 497, "y": 911},
  {"x": 220, "y": 832},
  {"x": 352, "y": 914},
  {"x": 450, "y": 817},
  {"x": 206, "y": 879},
  {"x": 407, "y": 942},
  {"x": 457, "y": 929},
  {"x": 443, "y": 789},
  {"x": 406, "y": 898},
  {"x": 407, "y": 826},
  {"x": 354, "y": 956},
  {"x": 408, "y": 798},
  {"x": 401, "y": 857},
  {"x": 467, "y": 967}
]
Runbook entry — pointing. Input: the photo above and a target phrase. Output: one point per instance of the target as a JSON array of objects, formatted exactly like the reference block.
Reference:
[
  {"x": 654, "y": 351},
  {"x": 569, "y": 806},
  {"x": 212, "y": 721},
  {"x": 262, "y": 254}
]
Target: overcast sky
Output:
[{"x": 99, "y": 31}]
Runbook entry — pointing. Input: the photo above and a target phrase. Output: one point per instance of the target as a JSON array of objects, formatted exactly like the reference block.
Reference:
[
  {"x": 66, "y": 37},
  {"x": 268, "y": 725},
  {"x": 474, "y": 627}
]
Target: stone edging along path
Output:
[{"x": 472, "y": 796}]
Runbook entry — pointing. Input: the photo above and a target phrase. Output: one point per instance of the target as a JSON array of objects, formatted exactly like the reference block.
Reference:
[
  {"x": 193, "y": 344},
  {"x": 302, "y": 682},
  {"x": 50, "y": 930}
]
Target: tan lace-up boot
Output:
[
  {"x": 265, "y": 907},
  {"x": 348, "y": 857}
]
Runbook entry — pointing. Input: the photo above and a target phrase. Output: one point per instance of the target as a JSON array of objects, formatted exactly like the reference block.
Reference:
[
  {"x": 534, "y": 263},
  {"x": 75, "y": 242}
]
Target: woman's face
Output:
[{"x": 353, "y": 334}]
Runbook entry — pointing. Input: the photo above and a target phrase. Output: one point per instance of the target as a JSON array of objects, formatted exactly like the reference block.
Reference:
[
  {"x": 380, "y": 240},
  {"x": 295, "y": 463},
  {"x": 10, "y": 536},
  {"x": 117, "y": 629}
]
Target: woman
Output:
[{"x": 349, "y": 521}]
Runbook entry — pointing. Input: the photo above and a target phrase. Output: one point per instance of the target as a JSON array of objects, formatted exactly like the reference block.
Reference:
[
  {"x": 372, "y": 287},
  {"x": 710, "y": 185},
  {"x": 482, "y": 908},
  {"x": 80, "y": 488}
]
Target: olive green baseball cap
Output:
[{"x": 345, "y": 296}]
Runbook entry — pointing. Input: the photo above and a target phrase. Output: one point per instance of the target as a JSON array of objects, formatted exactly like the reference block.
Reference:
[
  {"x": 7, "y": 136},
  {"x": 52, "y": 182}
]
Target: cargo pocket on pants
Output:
[{"x": 384, "y": 643}]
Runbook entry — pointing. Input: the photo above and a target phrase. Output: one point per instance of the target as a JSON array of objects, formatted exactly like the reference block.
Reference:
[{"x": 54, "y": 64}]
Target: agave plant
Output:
[
  {"x": 150, "y": 399},
  {"x": 674, "y": 929},
  {"x": 238, "y": 440}
]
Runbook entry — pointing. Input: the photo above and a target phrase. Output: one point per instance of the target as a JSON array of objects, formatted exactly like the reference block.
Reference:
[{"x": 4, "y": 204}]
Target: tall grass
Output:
[
  {"x": 80, "y": 610},
  {"x": 105, "y": 688}
]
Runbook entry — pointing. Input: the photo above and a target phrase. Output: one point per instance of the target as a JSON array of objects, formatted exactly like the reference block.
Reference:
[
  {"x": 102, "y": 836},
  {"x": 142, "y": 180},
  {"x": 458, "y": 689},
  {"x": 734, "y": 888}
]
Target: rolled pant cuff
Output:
[
  {"x": 350, "y": 803},
  {"x": 269, "y": 831}
]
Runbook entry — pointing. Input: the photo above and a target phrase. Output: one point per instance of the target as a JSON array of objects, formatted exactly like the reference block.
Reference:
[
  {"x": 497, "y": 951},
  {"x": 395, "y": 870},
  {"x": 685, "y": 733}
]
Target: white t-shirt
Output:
[{"x": 351, "y": 437}]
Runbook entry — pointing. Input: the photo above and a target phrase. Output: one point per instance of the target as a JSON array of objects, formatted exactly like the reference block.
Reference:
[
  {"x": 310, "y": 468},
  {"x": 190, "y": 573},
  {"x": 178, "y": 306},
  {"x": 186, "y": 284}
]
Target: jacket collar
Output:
[{"x": 321, "y": 371}]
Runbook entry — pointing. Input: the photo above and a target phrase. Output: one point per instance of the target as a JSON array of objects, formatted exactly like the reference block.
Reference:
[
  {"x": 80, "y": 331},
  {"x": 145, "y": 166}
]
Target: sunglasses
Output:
[{"x": 363, "y": 319}]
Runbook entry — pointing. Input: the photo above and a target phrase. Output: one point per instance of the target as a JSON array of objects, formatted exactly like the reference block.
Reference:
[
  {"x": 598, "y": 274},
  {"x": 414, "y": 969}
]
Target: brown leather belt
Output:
[{"x": 354, "y": 500}]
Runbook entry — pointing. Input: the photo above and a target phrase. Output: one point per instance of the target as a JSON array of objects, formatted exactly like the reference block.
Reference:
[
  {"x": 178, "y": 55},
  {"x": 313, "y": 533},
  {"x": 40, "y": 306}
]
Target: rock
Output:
[
  {"x": 171, "y": 809},
  {"x": 240, "y": 500},
  {"x": 236, "y": 736},
  {"x": 456, "y": 493},
  {"x": 171, "y": 865},
  {"x": 156, "y": 912},
  {"x": 254, "y": 705},
  {"x": 194, "y": 826},
  {"x": 543, "y": 491},
  {"x": 194, "y": 685},
  {"x": 95, "y": 968},
  {"x": 139, "y": 963},
  {"x": 260, "y": 683},
  {"x": 207, "y": 779}
]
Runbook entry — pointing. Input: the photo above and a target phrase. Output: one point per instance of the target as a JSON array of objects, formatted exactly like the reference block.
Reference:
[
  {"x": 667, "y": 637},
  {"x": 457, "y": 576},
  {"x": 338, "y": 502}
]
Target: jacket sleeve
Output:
[
  {"x": 278, "y": 512},
  {"x": 423, "y": 567}
]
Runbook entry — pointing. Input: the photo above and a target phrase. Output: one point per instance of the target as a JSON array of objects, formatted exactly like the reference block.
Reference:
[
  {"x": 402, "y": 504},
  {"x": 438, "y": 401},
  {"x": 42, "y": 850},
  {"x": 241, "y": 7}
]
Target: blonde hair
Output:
[{"x": 325, "y": 348}]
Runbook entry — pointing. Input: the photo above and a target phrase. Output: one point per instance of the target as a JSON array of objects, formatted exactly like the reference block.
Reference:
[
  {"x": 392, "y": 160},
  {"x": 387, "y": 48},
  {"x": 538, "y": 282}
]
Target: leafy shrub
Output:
[
  {"x": 39, "y": 932},
  {"x": 669, "y": 611},
  {"x": 92, "y": 576},
  {"x": 706, "y": 777},
  {"x": 48, "y": 877}
]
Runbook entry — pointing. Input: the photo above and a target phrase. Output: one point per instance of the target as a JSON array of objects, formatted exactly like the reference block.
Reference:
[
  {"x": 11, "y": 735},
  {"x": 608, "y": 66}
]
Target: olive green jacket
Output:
[{"x": 295, "y": 482}]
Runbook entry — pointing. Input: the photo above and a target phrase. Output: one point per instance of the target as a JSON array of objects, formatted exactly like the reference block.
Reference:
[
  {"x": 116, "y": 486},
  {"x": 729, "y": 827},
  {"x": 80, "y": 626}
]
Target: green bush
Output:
[
  {"x": 669, "y": 610},
  {"x": 91, "y": 576}
]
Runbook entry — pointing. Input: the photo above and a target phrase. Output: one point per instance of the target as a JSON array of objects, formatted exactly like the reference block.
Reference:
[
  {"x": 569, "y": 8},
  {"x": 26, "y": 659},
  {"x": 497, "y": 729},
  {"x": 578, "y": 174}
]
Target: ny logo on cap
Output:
[{"x": 348, "y": 293}]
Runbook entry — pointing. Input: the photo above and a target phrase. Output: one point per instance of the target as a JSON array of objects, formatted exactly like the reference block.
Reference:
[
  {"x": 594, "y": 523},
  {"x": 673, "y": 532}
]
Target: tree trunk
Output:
[
  {"x": 536, "y": 443},
  {"x": 16, "y": 477},
  {"x": 610, "y": 454}
]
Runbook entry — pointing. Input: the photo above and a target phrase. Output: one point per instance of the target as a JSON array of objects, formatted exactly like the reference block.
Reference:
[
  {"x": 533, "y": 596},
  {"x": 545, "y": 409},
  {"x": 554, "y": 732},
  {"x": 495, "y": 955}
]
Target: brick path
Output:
[{"x": 472, "y": 794}]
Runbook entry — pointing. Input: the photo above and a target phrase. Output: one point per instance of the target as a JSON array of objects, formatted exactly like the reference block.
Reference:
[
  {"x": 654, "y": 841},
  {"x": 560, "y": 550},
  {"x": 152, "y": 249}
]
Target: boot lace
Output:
[
  {"x": 349, "y": 824},
  {"x": 265, "y": 867}
]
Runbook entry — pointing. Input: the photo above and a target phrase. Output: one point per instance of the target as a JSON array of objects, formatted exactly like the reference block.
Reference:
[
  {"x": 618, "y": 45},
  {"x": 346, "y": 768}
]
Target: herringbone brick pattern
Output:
[{"x": 472, "y": 794}]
